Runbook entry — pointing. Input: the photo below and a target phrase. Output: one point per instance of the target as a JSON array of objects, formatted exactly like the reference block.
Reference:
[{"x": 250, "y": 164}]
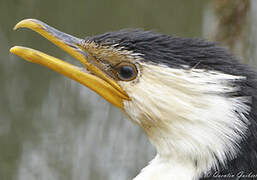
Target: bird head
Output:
[{"x": 184, "y": 93}]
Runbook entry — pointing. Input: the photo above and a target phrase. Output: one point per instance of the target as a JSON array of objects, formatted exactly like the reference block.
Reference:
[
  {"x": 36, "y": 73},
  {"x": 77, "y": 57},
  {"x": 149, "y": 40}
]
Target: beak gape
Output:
[{"x": 96, "y": 80}]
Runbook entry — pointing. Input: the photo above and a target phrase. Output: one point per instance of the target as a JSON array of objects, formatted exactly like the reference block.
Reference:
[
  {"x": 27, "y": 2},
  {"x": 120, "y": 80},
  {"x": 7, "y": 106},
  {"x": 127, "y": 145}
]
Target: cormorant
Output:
[{"x": 194, "y": 100}]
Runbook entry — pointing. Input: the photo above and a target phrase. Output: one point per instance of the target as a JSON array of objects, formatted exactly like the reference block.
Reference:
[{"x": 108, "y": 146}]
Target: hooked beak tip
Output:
[
  {"x": 12, "y": 49},
  {"x": 31, "y": 23}
]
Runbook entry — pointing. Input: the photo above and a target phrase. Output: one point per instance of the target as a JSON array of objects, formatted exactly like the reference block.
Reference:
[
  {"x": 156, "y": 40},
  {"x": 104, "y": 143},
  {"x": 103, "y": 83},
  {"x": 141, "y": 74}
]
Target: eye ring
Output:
[{"x": 126, "y": 71}]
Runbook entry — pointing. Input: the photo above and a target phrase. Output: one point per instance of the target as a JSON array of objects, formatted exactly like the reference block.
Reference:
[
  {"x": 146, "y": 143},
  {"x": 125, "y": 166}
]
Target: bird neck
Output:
[
  {"x": 191, "y": 115},
  {"x": 167, "y": 168}
]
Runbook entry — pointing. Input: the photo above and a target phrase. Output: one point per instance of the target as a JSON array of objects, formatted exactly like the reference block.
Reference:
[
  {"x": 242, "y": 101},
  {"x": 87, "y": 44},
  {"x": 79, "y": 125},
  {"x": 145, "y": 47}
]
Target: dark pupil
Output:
[{"x": 126, "y": 72}]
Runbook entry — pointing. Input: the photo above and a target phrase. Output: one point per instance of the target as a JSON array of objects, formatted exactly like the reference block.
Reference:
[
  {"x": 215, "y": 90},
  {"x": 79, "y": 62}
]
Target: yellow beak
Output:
[{"x": 95, "y": 79}]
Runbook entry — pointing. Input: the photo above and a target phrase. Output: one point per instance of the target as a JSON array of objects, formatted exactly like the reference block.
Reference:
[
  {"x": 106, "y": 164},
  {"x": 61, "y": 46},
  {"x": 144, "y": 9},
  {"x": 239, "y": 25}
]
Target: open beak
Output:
[{"x": 95, "y": 79}]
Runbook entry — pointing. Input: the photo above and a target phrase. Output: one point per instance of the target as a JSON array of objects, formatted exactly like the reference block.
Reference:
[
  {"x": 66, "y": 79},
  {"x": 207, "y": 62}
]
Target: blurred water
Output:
[{"x": 53, "y": 128}]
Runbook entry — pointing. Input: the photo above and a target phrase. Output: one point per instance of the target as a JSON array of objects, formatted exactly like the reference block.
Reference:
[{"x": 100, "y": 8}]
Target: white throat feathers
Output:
[{"x": 188, "y": 116}]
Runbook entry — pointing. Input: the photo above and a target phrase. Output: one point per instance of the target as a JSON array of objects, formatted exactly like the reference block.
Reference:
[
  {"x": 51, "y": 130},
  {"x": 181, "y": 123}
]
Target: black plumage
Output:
[{"x": 178, "y": 52}]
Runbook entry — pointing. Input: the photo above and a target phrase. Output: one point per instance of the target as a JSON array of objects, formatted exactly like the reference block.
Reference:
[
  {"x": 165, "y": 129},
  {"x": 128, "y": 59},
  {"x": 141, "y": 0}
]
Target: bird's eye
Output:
[{"x": 126, "y": 71}]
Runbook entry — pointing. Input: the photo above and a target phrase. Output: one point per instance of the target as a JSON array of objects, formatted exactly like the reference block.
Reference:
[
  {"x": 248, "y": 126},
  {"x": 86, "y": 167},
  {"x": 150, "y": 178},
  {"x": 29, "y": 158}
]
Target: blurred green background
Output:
[{"x": 52, "y": 128}]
